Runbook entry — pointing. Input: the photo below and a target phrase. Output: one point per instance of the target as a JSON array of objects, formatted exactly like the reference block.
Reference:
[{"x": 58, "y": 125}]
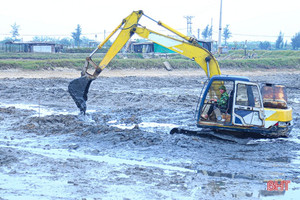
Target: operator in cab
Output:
[{"x": 218, "y": 106}]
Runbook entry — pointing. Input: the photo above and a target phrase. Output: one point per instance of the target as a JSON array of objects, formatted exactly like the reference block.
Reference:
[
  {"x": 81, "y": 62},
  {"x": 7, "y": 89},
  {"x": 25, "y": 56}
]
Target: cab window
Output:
[{"x": 247, "y": 95}]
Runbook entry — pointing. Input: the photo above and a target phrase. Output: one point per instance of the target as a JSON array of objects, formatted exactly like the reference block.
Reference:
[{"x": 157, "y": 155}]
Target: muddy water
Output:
[{"x": 122, "y": 149}]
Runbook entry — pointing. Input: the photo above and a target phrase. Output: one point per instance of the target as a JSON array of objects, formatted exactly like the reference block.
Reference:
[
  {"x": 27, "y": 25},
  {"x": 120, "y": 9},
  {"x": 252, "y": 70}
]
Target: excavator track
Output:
[{"x": 203, "y": 133}]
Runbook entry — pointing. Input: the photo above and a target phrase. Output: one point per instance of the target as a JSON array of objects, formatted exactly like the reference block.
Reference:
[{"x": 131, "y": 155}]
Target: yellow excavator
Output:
[{"x": 247, "y": 108}]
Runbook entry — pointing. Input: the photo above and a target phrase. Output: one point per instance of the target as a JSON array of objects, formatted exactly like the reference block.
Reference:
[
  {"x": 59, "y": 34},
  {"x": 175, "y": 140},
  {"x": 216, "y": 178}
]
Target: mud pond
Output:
[{"x": 122, "y": 149}]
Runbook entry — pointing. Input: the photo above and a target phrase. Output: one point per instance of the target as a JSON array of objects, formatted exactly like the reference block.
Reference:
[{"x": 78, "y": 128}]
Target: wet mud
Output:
[{"x": 122, "y": 148}]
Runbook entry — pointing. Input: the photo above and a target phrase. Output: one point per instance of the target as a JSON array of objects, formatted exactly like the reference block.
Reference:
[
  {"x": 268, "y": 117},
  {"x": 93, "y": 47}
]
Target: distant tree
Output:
[
  {"x": 76, "y": 35},
  {"x": 6, "y": 39},
  {"x": 107, "y": 44},
  {"x": 36, "y": 39},
  {"x": 65, "y": 41},
  {"x": 15, "y": 31},
  {"x": 85, "y": 41},
  {"x": 285, "y": 44},
  {"x": 210, "y": 32},
  {"x": 235, "y": 45},
  {"x": 296, "y": 41},
  {"x": 205, "y": 32},
  {"x": 279, "y": 41},
  {"x": 265, "y": 45},
  {"x": 226, "y": 34}
]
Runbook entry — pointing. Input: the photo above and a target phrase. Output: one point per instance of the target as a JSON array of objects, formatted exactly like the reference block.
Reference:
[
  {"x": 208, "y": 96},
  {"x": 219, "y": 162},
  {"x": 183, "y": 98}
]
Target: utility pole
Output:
[
  {"x": 211, "y": 25},
  {"x": 245, "y": 47},
  {"x": 198, "y": 33},
  {"x": 189, "y": 25},
  {"x": 220, "y": 29}
]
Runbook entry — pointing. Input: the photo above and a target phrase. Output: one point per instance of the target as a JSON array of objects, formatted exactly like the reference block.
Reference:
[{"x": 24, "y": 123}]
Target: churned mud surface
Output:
[{"x": 122, "y": 149}]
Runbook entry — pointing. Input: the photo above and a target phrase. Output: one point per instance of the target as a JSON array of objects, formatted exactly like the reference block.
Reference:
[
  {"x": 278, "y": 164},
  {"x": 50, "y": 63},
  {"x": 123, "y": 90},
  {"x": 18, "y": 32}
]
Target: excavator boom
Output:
[
  {"x": 197, "y": 53},
  {"x": 189, "y": 47}
]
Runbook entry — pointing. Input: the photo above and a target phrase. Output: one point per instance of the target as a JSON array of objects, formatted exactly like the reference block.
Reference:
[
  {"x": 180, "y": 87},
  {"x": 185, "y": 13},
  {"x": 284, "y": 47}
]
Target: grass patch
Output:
[
  {"x": 78, "y": 64},
  {"x": 257, "y": 54},
  {"x": 46, "y": 56},
  {"x": 263, "y": 63},
  {"x": 40, "y": 64},
  {"x": 232, "y": 60}
]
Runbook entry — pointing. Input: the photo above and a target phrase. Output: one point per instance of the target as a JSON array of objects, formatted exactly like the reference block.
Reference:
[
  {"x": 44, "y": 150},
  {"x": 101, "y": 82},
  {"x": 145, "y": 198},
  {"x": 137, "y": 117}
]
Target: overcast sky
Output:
[{"x": 250, "y": 20}]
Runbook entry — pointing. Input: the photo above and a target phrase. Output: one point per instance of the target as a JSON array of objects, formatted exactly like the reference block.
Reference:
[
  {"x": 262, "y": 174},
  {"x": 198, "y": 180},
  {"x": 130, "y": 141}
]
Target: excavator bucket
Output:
[{"x": 78, "y": 89}]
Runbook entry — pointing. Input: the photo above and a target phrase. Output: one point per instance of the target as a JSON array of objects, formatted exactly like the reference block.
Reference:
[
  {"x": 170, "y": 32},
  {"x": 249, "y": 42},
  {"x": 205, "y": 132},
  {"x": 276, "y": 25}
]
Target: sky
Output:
[{"x": 251, "y": 20}]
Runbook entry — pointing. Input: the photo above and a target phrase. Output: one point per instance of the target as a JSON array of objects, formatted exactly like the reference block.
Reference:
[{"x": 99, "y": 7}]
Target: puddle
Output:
[
  {"x": 66, "y": 154},
  {"x": 41, "y": 111},
  {"x": 294, "y": 100},
  {"x": 152, "y": 127}
]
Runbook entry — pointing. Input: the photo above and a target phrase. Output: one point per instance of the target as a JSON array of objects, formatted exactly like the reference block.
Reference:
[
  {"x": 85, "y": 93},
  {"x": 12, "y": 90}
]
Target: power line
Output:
[
  {"x": 50, "y": 35},
  {"x": 259, "y": 35},
  {"x": 250, "y": 35}
]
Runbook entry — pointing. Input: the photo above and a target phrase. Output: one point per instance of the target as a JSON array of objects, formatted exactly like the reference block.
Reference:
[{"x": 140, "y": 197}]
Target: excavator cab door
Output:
[
  {"x": 208, "y": 109},
  {"x": 247, "y": 105}
]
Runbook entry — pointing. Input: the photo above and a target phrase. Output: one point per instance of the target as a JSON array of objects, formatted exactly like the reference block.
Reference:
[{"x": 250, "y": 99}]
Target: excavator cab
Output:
[
  {"x": 242, "y": 108},
  {"x": 249, "y": 108},
  {"x": 223, "y": 98},
  {"x": 212, "y": 109}
]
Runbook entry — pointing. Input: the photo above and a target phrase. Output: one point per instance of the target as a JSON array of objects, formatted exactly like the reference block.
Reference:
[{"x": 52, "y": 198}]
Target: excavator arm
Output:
[
  {"x": 78, "y": 88},
  {"x": 197, "y": 53}
]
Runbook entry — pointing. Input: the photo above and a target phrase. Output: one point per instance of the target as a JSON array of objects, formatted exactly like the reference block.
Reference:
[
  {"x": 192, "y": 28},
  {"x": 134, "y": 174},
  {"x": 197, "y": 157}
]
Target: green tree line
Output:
[{"x": 77, "y": 40}]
